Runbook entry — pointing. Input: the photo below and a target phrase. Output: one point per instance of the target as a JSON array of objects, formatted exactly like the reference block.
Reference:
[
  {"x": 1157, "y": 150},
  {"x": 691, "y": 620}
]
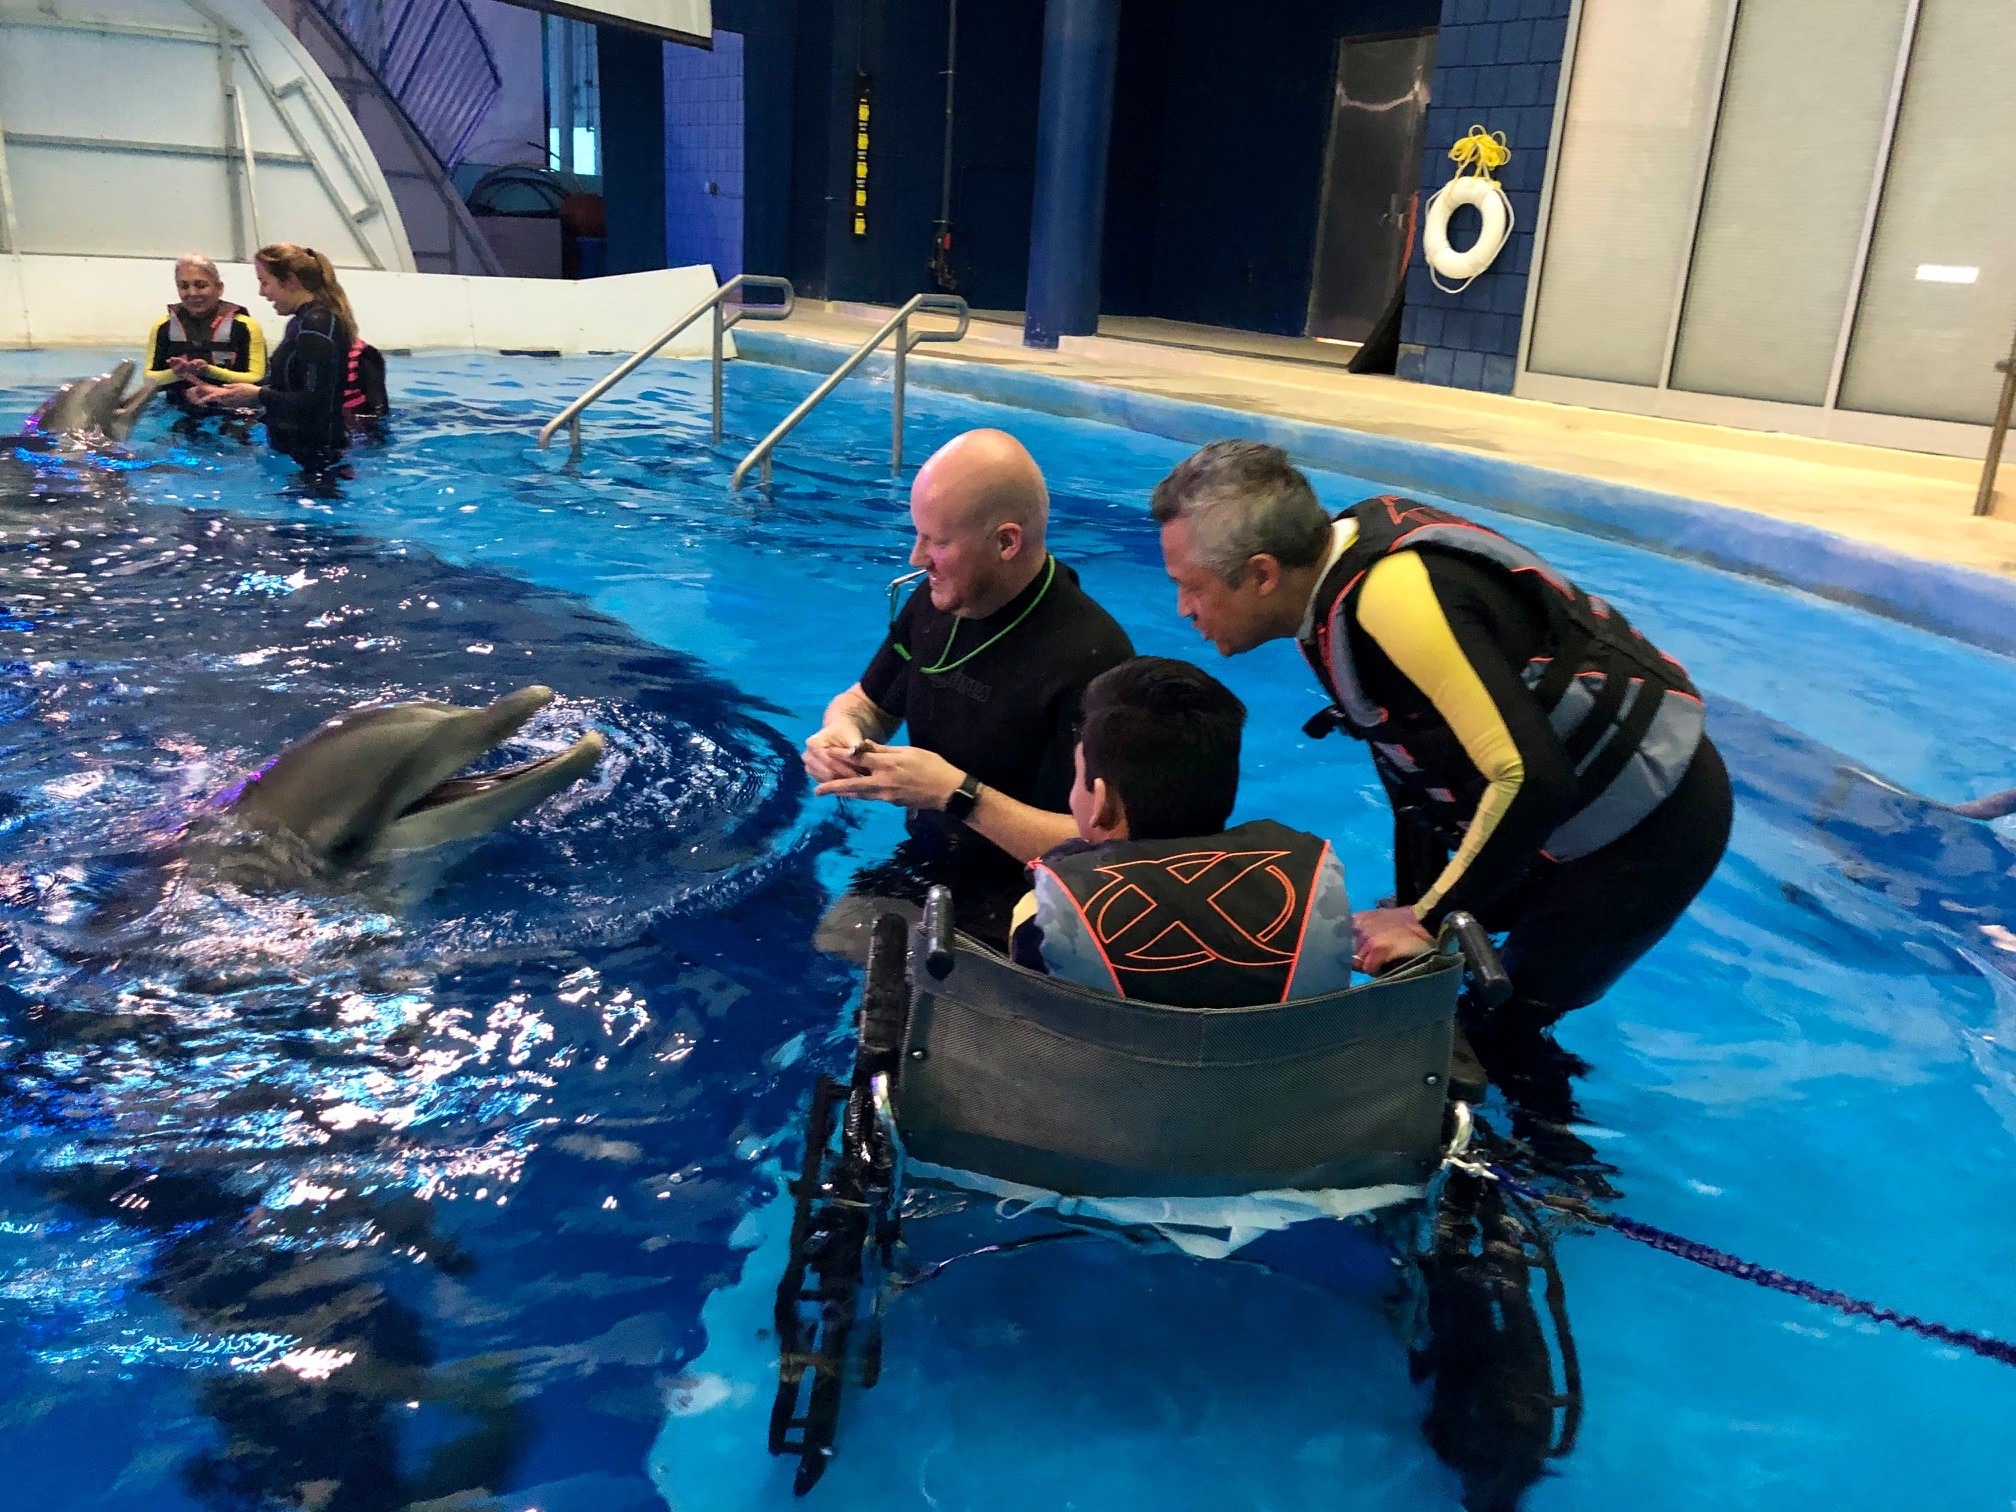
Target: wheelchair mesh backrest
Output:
[{"x": 1036, "y": 1080}]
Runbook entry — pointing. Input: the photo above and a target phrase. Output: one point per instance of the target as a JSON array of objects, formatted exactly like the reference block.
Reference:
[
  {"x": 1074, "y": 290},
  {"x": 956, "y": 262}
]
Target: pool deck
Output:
[{"x": 1908, "y": 503}]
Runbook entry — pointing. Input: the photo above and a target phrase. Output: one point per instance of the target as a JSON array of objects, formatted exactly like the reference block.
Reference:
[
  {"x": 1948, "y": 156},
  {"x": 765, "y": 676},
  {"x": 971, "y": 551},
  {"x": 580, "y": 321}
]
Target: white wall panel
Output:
[
  {"x": 65, "y": 196},
  {"x": 1800, "y": 313},
  {"x": 13, "y": 305},
  {"x": 120, "y": 138},
  {"x": 1641, "y": 103},
  {"x": 676, "y": 20},
  {"x": 113, "y": 301},
  {"x": 1926, "y": 342},
  {"x": 1795, "y": 154}
]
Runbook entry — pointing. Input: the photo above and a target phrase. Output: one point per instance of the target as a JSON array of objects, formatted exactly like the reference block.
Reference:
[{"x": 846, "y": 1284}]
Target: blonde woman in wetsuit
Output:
[{"x": 310, "y": 373}]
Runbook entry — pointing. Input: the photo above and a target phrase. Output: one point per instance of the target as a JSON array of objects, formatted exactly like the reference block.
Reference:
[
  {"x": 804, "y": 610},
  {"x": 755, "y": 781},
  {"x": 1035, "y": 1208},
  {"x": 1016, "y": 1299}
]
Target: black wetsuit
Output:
[
  {"x": 1575, "y": 926},
  {"x": 304, "y": 387},
  {"x": 1007, "y": 712}
]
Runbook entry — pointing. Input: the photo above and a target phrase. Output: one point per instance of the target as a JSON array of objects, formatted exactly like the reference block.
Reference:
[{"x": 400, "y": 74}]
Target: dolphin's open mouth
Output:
[
  {"x": 461, "y": 789},
  {"x": 475, "y": 803},
  {"x": 408, "y": 776}
]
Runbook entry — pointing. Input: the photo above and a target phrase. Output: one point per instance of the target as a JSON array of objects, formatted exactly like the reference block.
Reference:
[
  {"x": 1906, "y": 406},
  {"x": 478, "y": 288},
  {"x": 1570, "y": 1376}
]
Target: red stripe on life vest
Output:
[{"x": 353, "y": 393}]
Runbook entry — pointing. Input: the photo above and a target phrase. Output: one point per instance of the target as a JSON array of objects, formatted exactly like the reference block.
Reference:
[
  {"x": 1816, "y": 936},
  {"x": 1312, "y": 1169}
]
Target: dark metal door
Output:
[{"x": 1373, "y": 166}]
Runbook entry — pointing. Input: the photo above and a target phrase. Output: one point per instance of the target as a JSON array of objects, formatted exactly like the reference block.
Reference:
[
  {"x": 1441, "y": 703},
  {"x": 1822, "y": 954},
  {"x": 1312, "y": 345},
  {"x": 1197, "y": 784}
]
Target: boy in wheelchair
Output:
[{"x": 1157, "y": 900}]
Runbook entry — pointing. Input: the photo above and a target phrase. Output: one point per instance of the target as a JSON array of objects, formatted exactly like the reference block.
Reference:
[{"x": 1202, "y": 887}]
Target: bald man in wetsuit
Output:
[{"x": 986, "y": 664}]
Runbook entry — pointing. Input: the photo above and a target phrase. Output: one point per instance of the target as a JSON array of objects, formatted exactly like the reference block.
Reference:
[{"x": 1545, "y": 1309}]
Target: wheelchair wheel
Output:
[{"x": 844, "y": 1228}]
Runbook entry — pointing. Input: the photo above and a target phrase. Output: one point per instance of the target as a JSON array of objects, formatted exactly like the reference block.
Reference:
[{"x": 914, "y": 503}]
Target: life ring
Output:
[{"x": 1445, "y": 260}]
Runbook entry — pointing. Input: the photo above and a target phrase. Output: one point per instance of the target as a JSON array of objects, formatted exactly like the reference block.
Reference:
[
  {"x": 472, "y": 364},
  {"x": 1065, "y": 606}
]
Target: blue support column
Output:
[
  {"x": 1081, "y": 40},
  {"x": 631, "y": 70}
]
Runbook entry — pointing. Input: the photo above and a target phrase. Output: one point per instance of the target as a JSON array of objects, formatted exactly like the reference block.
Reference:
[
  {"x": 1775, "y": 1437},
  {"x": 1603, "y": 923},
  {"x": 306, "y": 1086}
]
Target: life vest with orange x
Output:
[
  {"x": 1628, "y": 715},
  {"x": 1228, "y": 920}
]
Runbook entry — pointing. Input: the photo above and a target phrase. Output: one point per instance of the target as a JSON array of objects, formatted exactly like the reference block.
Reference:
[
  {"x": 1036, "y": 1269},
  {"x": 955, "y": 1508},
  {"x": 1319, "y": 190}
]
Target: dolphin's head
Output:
[
  {"x": 392, "y": 778},
  {"x": 93, "y": 408}
]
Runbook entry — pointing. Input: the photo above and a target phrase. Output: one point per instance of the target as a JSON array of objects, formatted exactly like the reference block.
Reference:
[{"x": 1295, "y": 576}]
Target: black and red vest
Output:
[
  {"x": 364, "y": 382},
  {"x": 1215, "y": 922},
  {"x": 1628, "y": 714}
]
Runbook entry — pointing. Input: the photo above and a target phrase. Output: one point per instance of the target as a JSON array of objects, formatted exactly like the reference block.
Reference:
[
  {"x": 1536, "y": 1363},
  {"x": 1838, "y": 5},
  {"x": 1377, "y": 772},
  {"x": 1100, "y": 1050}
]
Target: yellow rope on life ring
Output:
[{"x": 1480, "y": 152}]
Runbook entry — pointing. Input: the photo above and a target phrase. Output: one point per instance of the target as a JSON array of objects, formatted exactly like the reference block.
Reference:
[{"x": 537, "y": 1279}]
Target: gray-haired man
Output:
[{"x": 1547, "y": 765}]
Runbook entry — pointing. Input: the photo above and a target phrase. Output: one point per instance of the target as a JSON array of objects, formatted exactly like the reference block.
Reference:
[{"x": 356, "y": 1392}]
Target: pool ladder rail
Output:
[
  {"x": 897, "y": 325},
  {"x": 725, "y": 319},
  {"x": 727, "y": 316}
]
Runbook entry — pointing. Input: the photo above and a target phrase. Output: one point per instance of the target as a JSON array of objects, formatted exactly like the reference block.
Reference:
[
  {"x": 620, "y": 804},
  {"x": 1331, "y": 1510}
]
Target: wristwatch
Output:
[{"x": 960, "y": 805}]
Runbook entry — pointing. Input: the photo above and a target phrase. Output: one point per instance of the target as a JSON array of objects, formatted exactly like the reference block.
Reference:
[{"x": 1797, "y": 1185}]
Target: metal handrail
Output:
[
  {"x": 571, "y": 416},
  {"x": 899, "y": 323},
  {"x": 1984, "y": 499}
]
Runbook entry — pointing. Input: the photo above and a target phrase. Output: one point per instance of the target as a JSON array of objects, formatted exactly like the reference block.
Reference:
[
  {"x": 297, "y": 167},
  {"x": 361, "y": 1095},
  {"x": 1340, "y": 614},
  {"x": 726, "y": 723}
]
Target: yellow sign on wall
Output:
[{"x": 860, "y": 154}]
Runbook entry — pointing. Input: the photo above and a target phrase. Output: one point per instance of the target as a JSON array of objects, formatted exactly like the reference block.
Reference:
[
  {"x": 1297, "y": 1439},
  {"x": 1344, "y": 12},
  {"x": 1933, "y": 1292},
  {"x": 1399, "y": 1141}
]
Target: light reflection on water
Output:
[{"x": 274, "y": 1142}]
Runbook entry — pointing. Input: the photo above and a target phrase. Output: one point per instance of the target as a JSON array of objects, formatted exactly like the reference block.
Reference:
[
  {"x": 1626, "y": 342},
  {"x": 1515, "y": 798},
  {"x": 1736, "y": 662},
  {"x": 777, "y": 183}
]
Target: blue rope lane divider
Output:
[{"x": 1707, "y": 1256}]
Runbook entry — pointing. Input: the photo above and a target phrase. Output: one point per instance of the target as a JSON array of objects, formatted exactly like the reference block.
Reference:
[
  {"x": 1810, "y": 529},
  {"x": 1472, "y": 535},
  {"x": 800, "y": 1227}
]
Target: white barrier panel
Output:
[
  {"x": 114, "y": 301},
  {"x": 689, "y": 21}
]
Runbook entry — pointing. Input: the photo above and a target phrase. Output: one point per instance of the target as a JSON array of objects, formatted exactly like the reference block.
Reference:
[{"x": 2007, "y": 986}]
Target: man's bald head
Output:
[
  {"x": 986, "y": 478},
  {"x": 981, "y": 513}
]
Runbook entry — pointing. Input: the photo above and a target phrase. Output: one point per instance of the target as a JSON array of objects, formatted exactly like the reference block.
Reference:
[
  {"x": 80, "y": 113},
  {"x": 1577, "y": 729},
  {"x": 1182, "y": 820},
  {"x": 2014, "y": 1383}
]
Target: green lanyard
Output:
[{"x": 1049, "y": 574}]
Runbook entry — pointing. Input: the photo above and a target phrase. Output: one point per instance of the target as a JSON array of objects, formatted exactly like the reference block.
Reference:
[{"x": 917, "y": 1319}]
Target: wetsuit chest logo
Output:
[{"x": 962, "y": 683}]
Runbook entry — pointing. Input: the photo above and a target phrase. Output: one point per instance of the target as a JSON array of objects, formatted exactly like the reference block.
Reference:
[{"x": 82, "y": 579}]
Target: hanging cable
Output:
[{"x": 940, "y": 266}]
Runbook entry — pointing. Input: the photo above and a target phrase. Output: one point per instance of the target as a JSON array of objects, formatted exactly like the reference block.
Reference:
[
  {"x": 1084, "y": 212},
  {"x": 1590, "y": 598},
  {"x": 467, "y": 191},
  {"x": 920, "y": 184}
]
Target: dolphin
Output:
[
  {"x": 1994, "y": 806},
  {"x": 89, "y": 410},
  {"x": 389, "y": 778}
]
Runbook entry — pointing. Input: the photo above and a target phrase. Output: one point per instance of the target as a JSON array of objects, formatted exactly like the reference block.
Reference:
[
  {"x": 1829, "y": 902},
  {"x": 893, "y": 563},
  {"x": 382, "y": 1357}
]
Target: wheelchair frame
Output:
[{"x": 847, "y": 1197}]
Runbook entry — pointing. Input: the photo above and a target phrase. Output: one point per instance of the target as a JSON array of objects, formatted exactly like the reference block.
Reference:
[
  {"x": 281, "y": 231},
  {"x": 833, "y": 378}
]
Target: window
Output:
[{"x": 573, "y": 97}]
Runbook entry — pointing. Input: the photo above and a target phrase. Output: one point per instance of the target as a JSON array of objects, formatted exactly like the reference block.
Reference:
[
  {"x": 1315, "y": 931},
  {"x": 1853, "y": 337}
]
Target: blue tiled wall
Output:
[
  {"x": 703, "y": 155},
  {"x": 1497, "y": 65}
]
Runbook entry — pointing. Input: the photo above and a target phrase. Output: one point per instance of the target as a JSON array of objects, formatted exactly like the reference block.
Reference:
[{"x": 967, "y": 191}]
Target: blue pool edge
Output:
[{"x": 1975, "y": 607}]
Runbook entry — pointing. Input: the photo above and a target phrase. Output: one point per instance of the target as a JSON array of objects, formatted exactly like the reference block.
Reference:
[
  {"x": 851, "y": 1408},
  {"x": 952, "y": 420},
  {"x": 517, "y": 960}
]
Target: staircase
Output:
[
  {"x": 432, "y": 56},
  {"x": 419, "y": 78}
]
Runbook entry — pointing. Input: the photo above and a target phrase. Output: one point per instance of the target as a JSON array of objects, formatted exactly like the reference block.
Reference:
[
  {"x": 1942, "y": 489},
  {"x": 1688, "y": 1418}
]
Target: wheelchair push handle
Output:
[
  {"x": 1488, "y": 978},
  {"x": 938, "y": 932}
]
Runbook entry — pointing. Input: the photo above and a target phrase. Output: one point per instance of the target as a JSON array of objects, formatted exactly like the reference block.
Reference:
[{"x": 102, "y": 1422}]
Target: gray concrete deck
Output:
[{"x": 1910, "y": 503}]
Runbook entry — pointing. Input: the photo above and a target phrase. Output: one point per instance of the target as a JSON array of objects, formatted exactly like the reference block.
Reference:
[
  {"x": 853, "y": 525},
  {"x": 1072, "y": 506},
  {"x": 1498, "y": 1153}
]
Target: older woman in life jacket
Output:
[
  {"x": 1547, "y": 764},
  {"x": 321, "y": 377},
  {"x": 1157, "y": 899},
  {"x": 204, "y": 338}
]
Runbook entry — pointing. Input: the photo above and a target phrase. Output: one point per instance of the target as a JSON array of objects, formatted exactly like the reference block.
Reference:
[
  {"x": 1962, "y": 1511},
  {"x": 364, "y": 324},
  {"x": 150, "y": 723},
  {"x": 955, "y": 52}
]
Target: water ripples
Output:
[{"x": 343, "y": 1147}]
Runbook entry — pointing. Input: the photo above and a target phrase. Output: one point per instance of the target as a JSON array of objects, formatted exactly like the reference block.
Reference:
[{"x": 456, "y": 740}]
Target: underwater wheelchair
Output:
[{"x": 975, "y": 1074}]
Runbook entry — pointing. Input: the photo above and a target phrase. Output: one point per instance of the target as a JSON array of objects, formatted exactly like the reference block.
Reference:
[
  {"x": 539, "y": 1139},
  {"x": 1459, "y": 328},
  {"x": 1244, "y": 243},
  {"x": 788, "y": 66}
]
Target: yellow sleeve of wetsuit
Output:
[
  {"x": 255, "y": 358},
  {"x": 1399, "y": 610},
  {"x": 160, "y": 374},
  {"x": 1025, "y": 911}
]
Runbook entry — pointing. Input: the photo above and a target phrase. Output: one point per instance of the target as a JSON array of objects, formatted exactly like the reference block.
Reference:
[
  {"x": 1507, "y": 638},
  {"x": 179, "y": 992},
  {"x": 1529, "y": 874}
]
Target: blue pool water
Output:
[{"x": 465, "y": 1183}]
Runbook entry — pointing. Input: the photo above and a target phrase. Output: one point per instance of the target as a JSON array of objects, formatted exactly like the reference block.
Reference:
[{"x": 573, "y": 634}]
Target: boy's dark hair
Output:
[{"x": 1165, "y": 736}]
